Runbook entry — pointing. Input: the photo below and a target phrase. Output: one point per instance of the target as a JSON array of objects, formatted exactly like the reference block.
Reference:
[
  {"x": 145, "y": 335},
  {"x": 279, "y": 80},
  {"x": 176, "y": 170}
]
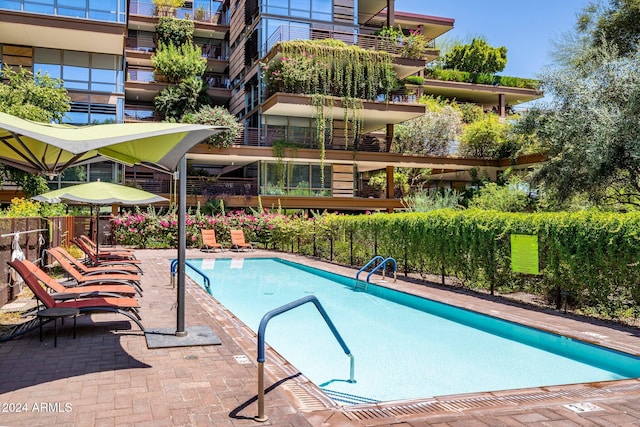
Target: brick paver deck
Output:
[{"x": 108, "y": 377}]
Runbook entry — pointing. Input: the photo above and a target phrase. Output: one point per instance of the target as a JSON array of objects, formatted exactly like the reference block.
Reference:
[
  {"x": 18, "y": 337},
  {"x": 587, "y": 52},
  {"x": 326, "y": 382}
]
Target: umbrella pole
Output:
[
  {"x": 182, "y": 243},
  {"x": 97, "y": 229}
]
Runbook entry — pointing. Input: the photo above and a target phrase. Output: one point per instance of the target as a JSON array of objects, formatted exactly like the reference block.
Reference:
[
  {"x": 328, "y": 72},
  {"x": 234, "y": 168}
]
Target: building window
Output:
[
  {"x": 100, "y": 10},
  {"x": 321, "y": 10},
  {"x": 295, "y": 179},
  {"x": 84, "y": 71}
]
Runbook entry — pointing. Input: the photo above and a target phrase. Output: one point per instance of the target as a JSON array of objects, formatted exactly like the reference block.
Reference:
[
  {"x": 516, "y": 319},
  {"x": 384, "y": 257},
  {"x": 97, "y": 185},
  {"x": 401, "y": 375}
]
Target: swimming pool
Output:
[{"x": 404, "y": 346}]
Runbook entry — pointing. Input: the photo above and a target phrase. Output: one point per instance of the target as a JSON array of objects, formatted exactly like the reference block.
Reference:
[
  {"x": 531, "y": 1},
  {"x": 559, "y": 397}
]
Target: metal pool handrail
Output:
[
  {"x": 382, "y": 264},
  {"x": 261, "y": 417},
  {"x": 174, "y": 268},
  {"x": 371, "y": 261}
]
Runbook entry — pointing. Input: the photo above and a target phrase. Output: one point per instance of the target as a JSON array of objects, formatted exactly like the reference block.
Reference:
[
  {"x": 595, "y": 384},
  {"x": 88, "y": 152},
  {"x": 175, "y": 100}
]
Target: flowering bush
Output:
[{"x": 149, "y": 230}]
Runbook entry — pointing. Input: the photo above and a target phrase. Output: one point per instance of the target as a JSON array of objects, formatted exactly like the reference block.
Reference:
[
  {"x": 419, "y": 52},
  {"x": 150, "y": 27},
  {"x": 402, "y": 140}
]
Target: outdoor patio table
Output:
[{"x": 55, "y": 314}]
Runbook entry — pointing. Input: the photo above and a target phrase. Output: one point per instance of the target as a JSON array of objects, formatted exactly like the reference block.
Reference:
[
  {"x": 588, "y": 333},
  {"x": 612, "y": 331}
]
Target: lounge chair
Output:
[
  {"x": 59, "y": 251},
  {"x": 238, "y": 242},
  {"x": 124, "y": 252},
  {"x": 209, "y": 241},
  {"x": 113, "y": 278},
  {"x": 95, "y": 261},
  {"x": 62, "y": 292},
  {"x": 125, "y": 306}
]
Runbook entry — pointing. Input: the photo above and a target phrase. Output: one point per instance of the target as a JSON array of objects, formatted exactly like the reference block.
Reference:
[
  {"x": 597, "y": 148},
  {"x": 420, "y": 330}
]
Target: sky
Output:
[{"x": 526, "y": 28}]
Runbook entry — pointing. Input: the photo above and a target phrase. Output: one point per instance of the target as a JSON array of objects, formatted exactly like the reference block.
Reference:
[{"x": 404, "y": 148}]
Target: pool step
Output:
[{"x": 349, "y": 399}]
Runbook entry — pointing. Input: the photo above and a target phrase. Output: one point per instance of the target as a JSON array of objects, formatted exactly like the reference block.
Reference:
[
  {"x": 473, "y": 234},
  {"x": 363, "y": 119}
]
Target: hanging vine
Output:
[{"x": 330, "y": 68}]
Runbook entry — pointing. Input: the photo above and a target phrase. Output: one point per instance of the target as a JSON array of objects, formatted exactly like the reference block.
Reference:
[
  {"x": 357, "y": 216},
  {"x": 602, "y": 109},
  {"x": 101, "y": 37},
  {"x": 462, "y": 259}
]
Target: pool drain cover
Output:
[{"x": 583, "y": 407}]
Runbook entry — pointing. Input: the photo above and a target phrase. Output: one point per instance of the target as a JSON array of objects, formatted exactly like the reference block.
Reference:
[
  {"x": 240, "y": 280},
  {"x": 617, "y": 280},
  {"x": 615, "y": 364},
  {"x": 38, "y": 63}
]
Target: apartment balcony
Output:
[
  {"x": 405, "y": 61},
  {"x": 243, "y": 193},
  {"x": 481, "y": 94},
  {"x": 137, "y": 114},
  {"x": 374, "y": 114},
  {"x": 211, "y": 22},
  {"x": 139, "y": 56},
  {"x": 43, "y": 26}
]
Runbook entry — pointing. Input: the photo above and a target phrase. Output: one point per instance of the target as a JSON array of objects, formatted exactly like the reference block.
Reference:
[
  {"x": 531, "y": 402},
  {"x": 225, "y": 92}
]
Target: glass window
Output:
[
  {"x": 79, "y": 59},
  {"x": 76, "y": 174},
  {"x": 106, "y": 5},
  {"x": 46, "y": 56},
  {"x": 103, "y": 87},
  {"x": 70, "y": 72},
  {"x": 316, "y": 177},
  {"x": 72, "y": 3},
  {"x": 11, "y": 5},
  {"x": 102, "y": 171},
  {"x": 76, "y": 118},
  {"x": 103, "y": 16},
  {"x": 103, "y": 76},
  {"x": 100, "y": 118},
  {"x": 73, "y": 13},
  {"x": 53, "y": 70},
  {"x": 39, "y": 8}
]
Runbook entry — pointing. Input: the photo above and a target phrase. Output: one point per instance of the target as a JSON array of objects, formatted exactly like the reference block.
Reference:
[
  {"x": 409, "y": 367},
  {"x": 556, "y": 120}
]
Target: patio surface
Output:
[{"x": 108, "y": 377}]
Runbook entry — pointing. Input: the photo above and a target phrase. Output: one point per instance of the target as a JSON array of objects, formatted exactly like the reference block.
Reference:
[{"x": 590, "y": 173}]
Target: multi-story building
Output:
[{"x": 102, "y": 50}]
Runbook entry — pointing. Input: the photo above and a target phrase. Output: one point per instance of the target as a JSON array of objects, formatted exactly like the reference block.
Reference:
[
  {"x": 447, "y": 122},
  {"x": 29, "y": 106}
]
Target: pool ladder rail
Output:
[
  {"x": 383, "y": 262},
  {"x": 261, "y": 417},
  {"x": 174, "y": 272}
]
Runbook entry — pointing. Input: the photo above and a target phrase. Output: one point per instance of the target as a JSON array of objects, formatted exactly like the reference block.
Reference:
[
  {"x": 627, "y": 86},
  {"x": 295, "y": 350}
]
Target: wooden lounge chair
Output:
[
  {"x": 62, "y": 292},
  {"x": 238, "y": 242},
  {"x": 112, "y": 278},
  {"x": 209, "y": 241},
  {"x": 125, "y": 306},
  {"x": 87, "y": 271}
]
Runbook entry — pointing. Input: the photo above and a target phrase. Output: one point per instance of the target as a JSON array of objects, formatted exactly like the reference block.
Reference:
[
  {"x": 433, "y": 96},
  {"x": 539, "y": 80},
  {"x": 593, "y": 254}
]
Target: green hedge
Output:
[
  {"x": 589, "y": 257},
  {"x": 480, "y": 78}
]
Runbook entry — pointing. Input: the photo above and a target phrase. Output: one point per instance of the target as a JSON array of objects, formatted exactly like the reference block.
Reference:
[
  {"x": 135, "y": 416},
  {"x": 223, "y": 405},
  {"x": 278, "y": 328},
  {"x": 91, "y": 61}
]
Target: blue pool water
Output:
[{"x": 404, "y": 346}]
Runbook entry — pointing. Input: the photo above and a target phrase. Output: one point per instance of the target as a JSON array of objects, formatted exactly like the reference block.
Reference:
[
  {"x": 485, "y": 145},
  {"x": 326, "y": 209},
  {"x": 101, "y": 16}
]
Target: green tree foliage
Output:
[
  {"x": 186, "y": 98},
  {"x": 39, "y": 98},
  {"x": 217, "y": 116},
  {"x": 431, "y": 133},
  {"x": 616, "y": 23},
  {"x": 487, "y": 138},
  {"x": 173, "y": 30},
  {"x": 591, "y": 131},
  {"x": 511, "y": 197},
  {"x": 177, "y": 63},
  {"x": 476, "y": 57}
]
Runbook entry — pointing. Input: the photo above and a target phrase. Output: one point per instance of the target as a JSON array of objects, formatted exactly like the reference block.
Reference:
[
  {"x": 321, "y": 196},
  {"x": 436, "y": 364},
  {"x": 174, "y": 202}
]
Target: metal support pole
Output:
[
  {"x": 182, "y": 245},
  {"x": 261, "y": 417}
]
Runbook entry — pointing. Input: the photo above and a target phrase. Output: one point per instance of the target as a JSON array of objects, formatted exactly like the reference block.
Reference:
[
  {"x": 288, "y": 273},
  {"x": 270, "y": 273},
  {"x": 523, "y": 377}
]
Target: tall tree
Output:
[
  {"x": 617, "y": 23},
  {"x": 476, "y": 57},
  {"x": 591, "y": 130}
]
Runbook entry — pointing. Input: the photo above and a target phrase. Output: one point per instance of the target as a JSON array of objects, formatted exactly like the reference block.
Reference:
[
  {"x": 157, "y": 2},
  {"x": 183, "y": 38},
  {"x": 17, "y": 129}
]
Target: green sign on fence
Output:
[{"x": 524, "y": 254}]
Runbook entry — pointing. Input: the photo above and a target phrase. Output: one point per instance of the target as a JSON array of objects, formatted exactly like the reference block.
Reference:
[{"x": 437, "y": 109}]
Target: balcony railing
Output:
[
  {"x": 369, "y": 42},
  {"x": 305, "y": 138},
  {"x": 200, "y": 186},
  {"x": 138, "y": 75},
  {"x": 210, "y": 15},
  {"x": 99, "y": 11}
]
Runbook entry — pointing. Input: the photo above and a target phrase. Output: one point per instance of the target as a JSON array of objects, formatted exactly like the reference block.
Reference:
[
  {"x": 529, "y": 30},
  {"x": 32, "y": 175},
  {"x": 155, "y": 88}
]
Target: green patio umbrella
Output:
[
  {"x": 96, "y": 194},
  {"x": 48, "y": 149}
]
